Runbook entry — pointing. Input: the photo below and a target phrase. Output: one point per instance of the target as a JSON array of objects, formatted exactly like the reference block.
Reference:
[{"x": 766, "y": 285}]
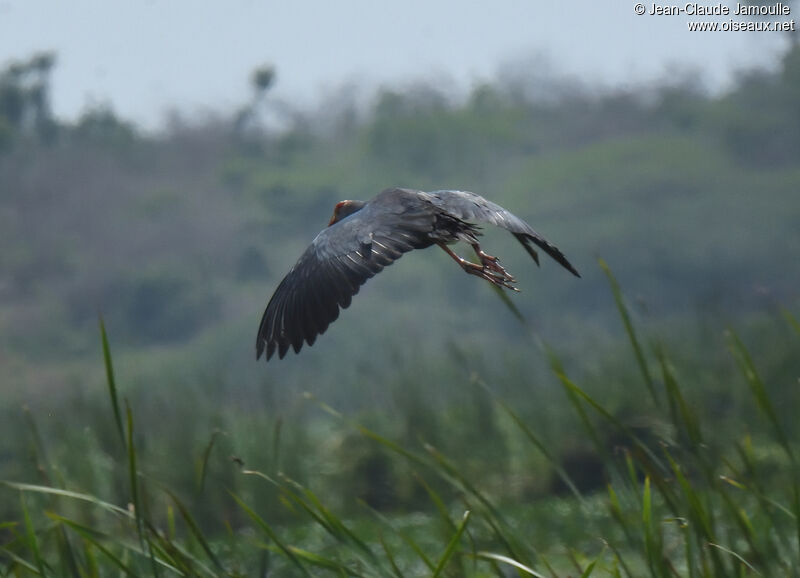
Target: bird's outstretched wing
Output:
[
  {"x": 333, "y": 268},
  {"x": 474, "y": 208}
]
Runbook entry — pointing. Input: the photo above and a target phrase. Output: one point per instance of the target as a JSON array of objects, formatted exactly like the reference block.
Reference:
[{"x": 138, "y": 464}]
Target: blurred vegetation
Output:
[
  {"x": 177, "y": 239},
  {"x": 684, "y": 483}
]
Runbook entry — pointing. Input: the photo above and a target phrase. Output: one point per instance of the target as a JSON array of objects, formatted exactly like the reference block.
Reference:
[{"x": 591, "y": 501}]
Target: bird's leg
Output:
[{"x": 488, "y": 269}]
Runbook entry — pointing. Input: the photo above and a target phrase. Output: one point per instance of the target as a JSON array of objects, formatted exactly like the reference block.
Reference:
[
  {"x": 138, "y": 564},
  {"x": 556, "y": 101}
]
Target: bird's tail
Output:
[{"x": 526, "y": 239}]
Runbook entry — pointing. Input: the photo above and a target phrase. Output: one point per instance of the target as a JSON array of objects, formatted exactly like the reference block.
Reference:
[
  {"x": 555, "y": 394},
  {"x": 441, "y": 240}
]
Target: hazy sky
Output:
[{"x": 144, "y": 57}]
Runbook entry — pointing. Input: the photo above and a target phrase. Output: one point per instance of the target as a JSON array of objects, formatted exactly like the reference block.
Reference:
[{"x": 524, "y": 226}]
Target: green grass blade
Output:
[
  {"x": 171, "y": 531},
  {"x": 340, "y": 530},
  {"x": 19, "y": 561},
  {"x": 743, "y": 522},
  {"x": 31, "y": 538},
  {"x": 92, "y": 567},
  {"x": 569, "y": 388},
  {"x": 203, "y": 465},
  {"x": 52, "y": 476},
  {"x": 735, "y": 555},
  {"x": 443, "y": 468},
  {"x": 138, "y": 505},
  {"x": 451, "y": 546},
  {"x": 194, "y": 528},
  {"x": 366, "y": 432},
  {"x": 438, "y": 503},
  {"x": 793, "y": 322},
  {"x": 95, "y": 538},
  {"x": 626, "y": 321},
  {"x": 696, "y": 508},
  {"x": 539, "y": 445},
  {"x": 68, "y": 558},
  {"x": 621, "y": 561},
  {"x": 291, "y": 497},
  {"x": 589, "y": 569},
  {"x": 390, "y": 556},
  {"x": 267, "y": 529},
  {"x": 647, "y": 516},
  {"x": 492, "y": 557},
  {"x": 410, "y": 542},
  {"x": 507, "y": 539},
  {"x": 576, "y": 395},
  {"x": 689, "y": 552},
  {"x": 652, "y": 541},
  {"x": 111, "y": 380},
  {"x": 133, "y": 477},
  {"x": 616, "y": 512},
  {"x": 39, "y": 453},
  {"x": 441, "y": 508},
  {"x": 688, "y": 421},
  {"x": 796, "y": 505},
  {"x": 439, "y": 465},
  {"x": 67, "y": 494},
  {"x": 492, "y": 516},
  {"x": 503, "y": 295},
  {"x": 758, "y": 389},
  {"x": 173, "y": 554},
  {"x": 702, "y": 520},
  {"x": 323, "y": 562}
]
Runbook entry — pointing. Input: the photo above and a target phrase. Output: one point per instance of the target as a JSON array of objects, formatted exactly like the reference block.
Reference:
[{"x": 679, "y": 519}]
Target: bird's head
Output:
[{"x": 345, "y": 209}]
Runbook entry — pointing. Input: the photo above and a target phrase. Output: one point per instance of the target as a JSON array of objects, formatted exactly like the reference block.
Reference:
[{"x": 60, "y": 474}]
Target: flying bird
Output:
[{"x": 363, "y": 237}]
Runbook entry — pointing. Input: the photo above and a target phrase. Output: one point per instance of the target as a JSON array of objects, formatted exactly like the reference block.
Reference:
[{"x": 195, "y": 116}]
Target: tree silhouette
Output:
[
  {"x": 25, "y": 100},
  {"x": 261, "y": 81}
]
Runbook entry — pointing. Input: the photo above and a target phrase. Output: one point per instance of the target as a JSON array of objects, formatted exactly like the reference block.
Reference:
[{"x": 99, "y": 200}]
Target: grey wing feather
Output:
[
  {"x": 325, "y": 278},
  {"x": 471, "y": 207}
]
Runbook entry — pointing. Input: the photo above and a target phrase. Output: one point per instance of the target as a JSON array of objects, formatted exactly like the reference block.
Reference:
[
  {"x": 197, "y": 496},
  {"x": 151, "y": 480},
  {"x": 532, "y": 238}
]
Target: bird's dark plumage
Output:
[{"x": 365, "y": 237}]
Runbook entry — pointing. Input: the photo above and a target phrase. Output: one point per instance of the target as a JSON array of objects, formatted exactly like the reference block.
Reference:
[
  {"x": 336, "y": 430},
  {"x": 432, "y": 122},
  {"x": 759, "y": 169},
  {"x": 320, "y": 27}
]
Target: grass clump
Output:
[{"x": 683, "y": 493}]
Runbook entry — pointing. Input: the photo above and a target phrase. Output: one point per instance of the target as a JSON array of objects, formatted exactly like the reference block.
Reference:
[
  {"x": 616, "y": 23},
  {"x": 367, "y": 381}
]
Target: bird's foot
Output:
[
  {"x": 495, "y": 270},
  {"x": 489, "y": 268},
  {"x": 492, "y": 272},
  {"x": 492, "y": 263}
]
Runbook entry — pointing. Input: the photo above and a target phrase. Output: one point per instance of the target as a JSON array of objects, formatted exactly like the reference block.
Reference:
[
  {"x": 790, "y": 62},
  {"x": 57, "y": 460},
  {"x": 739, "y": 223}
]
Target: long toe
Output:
[
  {"x": 499, "y": 269},
  {"x": 501, "y": 279},
  {"x": 496, "y": 267}
]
